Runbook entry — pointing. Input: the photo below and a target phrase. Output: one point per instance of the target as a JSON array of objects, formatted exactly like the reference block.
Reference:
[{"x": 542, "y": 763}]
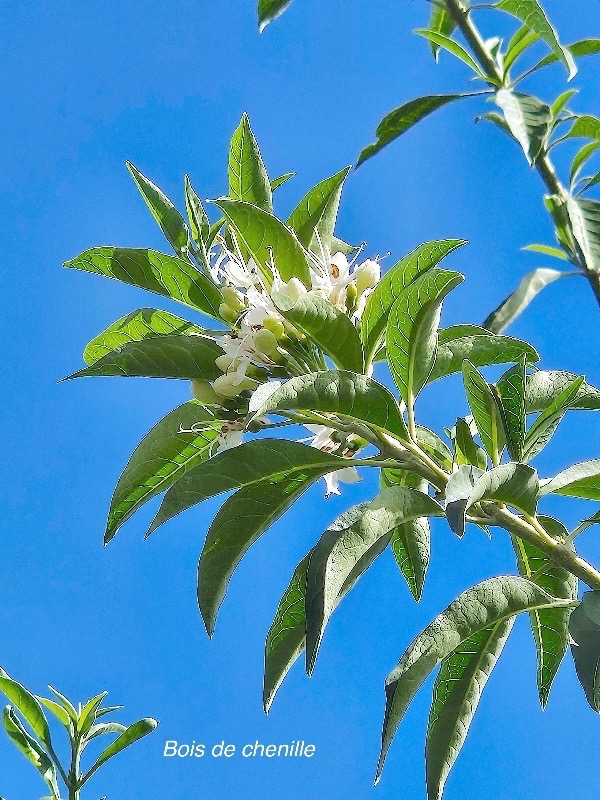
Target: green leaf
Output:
[
  {"x": 131, "y": 734},
  {"x": 456, "y": 694},
  {"x": 585, "y": 219},
  {"x": 458, "y": 491},
  {"x": 240, "y": 522},
  {"x": 431, "y": 444},
  {"x": 440, "y": 40},
  {"x": 145, "y": 323},
  {"x": 559, "y": 105},
  {"x": 586, "y": 47},
  {"x": 314, "y": 217},
  {"x": 277, "y": 182},
  {"x": 58, "y": 710},
  {"x": 497, "y": 120},
  {"x": 481, "y": 349},
  {"x": 258, "y": 461},
  {"x": 248, "y": 179},
  {"x": 520, "y": 42},
  {"x": 529, "y": 120},
  {"x": 586, "y": 523},
  {"x": 163, "y": 456},
  {"x": 87, "y": 716},
  {"x": 400, "y": 120},
  {"x": 329, "y": 328},
  {"x": 543, "y": 388},
  {"x": 581, "y": 480},
  {"x": 104, "y": 728},
  {"x": 162, "y": 209},
  {"x": 511, "y": 391},
  {"x": 266, "y": 237},
  {"x": 485, "y": 410},
  {"x": 268, "y": 10},
  {"x": 545, "y": 250},
  {"x": 548, "y": 421},
  {"x": 531, "y": 13},
  {"x": 440, "y": 22},
  {"x": 582, "y": 157},
  {"x": 29, "y": 708},
  {"x": 491, "y": 602},
  {"x": 514, "y": 305},
  {"x": 467, "y": 452},
  {"x": 514, "y": 484},
  {"x": 584, "y": 627},
  {"x": 411, "y": 338},
  {"x": 550, "y": 626},
  {"x": 411, "y": 545},
  {"x": 171, "y": 356},
  {"x": 345, "y": 543},
  {"x": 344, "y": 394},
  {"x": 159, "y": 273},
  {"x": 389, "y": 288},
  {"x": 585, "y": 127},
  {"x": 30, "y": 748},
  {"x": 65, "y": 703},
  {"x": 199, "y": 221}
]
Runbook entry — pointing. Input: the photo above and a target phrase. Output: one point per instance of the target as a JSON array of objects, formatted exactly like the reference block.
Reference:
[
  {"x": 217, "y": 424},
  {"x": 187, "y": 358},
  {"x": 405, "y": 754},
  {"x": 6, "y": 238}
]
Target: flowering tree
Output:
[{"x": 284, "y": 395}]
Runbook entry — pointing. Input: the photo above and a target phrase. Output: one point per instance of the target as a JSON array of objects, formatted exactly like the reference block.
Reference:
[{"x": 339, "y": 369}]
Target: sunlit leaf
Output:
[
  {"x": 162, "y": 209},
  {"x": 514, "y": 484},
  {"x": 314, "y": 217},
  {"x": 581, "y": 480},
  {"x": 248, "y": 179},
  {"x": 528, "y": 119}
]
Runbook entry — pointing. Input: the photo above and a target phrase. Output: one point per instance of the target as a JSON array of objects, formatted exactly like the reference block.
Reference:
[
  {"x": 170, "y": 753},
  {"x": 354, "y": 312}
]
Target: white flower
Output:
[
  {"x": 231, "y": 435},
  {"x": 333, "y": 479},
  {"x": 322, "y": 441}
]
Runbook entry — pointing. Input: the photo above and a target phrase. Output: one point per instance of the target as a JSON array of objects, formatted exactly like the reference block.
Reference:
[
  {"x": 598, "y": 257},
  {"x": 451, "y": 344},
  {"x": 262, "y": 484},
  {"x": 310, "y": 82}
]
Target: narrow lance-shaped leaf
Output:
[
  {"x": 581, "y": 480},
  {"x": 402, "y": 119},
  {"x": 485, "y": 410},
  {"x": 241, "y": 520},
  {"x": 411, "y": 338},
  {"x": 159, "y": 273},
  {"x": 387, "y": 291},
  {"x": 329, "y": 328},
  {"x": 440, "y": 22},
  {"x": 514, "y": 305},
  {"x": 549, "y": 625},
  {"x": 162, "y": 209},
  {"x": 456, "y": 694},
  {"x": 199, "y": 221},
  {"x": 548, "y": 421},
  {"x": 268, "y": 10},
  {"x": 180, "y": 441},
  {"x": 491, "y": 602},
  {"x": 528, "y": 119},
  {"x": 27, "y": 705},
  {"x": 344, "y": 544},
  {"x": 511, "y": 392},
  {"x": 441, "y": 40},
  {"x": 585, "y": 47},
  {"x": 277, "y": 182},
  {"x": 171, "y": 356},
  {"x": 521, "y": 41},
  {"x": 145, "y": 323},
  {"x": 466, "y": 451},
  {"x": 314, "y": 217},
  {"x": 584, "y": 627},
  {"x": 514, "y": 484},
  {"x": 248, "y": 179},
  {"x": 265, "y": 237},
  {"x": 248, "y": 464},
  {"x": 132, "y": 734},
  {"x": 344, "y": 394},
  {"x": 30, "y": 748},
  {"x": 531, "y": 13}
]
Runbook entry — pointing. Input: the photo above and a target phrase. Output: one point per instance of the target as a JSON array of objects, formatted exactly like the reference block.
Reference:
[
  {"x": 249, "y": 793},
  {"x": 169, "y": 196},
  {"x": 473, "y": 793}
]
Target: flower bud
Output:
[
  {"x": 228, "y": 313},
  {"x": 231, "y": 386},
  {"x": 204, "y": 392},
  {"x": 294, "y": 288},
  {"x": 233, "y": 298},
  {"x": 224, "y": 362},
  {"x": 351, "y": 297},
  {"x": 266, "y": 342},
  {"x": 275, "y": 326},
  {"x": 367, "y": 275}
]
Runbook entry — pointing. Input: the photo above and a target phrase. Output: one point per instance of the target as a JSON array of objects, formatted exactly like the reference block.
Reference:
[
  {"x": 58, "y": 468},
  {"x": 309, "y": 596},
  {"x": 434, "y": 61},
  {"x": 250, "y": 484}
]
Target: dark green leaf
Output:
[
  {"x": 411, "y": 338},
  {"x": 387, "y": 291},
  {"x": 514, "y": 484},
  {"x": 581, "y": 480},
  {"x": 543, "y": 388},
  {"x": 145, "y": 323},
  {"x": 344, "y": 394},
  {"x": 402, "y": 119},
  {"x": 345, "y": 543},
  {"x": 268, "y": 10},
  {"x": 481, "y": 349},
  {"x": 485, "y": 409},
  {"x": 548, "y": 421},
  {"x": 162, "y": 457},
  {"x": 549, "y": 625},
  {"x": 458, "y": 491},
  {"x": 261, "y": 460},
  {"x": 491, "y": 602},
  {"x": 314, "y": 217},
  {"x": 584, "y": 627},
  {"x": 248, "y": 180},
  {"x": 199, "y": 221},
  {"x": 531, "y": 285},
  {"x": 330, "y": 329},
  {"x": 162, "y": 209},
  {"x": 456, "y": 694},
  {"x": 159, "y": 273},
  {"x": 467, "y": 452},
  {"x": 265, "y": 237},
  {"x": 511, "y": 392},
  {"x": 531, "y": 13},
  {"x": 170, "y": 356},
  {"x": 440, "y": 40},
  {"x": 529, "y": 120}
]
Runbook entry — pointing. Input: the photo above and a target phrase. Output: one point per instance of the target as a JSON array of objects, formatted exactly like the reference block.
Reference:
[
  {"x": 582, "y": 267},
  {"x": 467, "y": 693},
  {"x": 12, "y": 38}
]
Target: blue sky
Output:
[{"x": 88, "y": 85}]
